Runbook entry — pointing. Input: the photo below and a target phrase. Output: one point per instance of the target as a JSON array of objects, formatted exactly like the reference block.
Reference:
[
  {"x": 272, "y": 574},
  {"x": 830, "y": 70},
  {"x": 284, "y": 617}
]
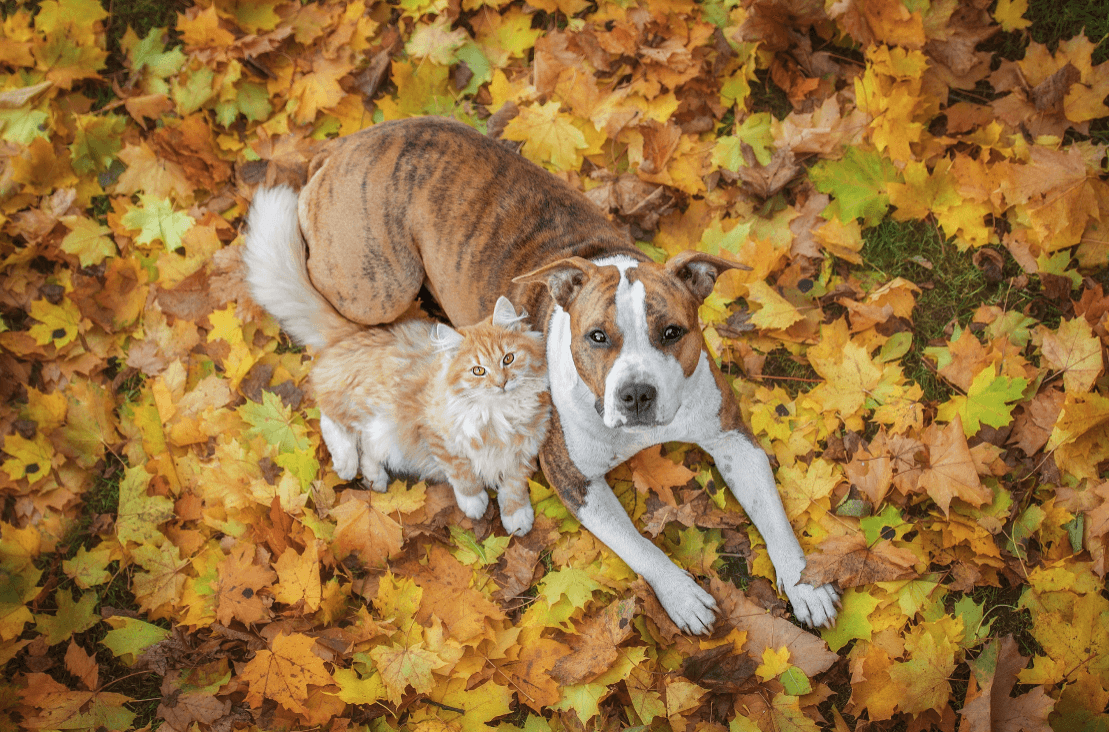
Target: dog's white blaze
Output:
[{"x": 639, "y": 361}]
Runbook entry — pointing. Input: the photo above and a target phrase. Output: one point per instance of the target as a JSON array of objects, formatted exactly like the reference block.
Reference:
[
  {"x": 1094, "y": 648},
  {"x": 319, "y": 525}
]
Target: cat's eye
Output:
[
  {"x": 598, "y": 336},
  {"x": 478, "y": 371},
  {"x": 508, "y": 359},
  {"x": 672, "y": 333}
]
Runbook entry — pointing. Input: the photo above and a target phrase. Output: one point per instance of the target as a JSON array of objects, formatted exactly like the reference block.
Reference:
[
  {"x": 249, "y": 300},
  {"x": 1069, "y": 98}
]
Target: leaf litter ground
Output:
[{"x": 920, "y": 191}]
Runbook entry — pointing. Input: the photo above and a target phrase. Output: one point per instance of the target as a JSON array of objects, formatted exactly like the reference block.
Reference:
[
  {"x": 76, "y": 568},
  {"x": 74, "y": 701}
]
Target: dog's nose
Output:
[{"x": 637, "y": 399}]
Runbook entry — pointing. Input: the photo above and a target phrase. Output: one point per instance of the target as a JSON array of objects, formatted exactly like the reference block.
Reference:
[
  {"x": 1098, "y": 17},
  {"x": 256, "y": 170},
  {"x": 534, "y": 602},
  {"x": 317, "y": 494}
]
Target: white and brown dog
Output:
[{"x": 429, "y": 201}]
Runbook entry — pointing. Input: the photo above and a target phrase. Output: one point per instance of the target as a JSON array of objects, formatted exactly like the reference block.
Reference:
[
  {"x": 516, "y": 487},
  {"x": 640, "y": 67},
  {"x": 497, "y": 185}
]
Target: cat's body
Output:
[{"x": 469, "y": 407}]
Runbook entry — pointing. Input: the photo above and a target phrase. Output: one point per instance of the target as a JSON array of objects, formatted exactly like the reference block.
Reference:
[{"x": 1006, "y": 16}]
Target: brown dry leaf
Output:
[
  {"x": 950, "y": 473},
  {"x": 651, "y": 471},
  {"x": 284, "y": 673},
  {"x": 82, "y": 665},
  {"x": 806, "y": 651},
  {"x": 849, "y": 562},
  {"x": 240, "y": 580},
  {"x": 594, "y": 649},
  {"x": 989, "y": 706}
]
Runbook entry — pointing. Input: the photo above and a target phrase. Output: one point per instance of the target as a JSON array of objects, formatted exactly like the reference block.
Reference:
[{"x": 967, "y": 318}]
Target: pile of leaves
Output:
[{"x": 919, "y": 344}]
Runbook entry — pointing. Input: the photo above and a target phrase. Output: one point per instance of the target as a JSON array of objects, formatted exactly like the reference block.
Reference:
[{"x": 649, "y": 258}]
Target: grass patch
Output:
[
  {"x": 952, "y": 289},
  {"x": 790, "y": 372}
]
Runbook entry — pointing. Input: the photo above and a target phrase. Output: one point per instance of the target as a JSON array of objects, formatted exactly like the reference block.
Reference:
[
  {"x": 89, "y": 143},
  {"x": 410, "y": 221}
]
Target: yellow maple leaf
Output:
[
  {"x": 775, "y": 313},
  {"x": 1074, "y": 350},
  {"x": 284, "y": 673},
  {"x": 298, "y": 578},
  {"x": 1010, "y": 15},
  {"x": 30, "y": 459},
  {"x": 550, "y": 137}
]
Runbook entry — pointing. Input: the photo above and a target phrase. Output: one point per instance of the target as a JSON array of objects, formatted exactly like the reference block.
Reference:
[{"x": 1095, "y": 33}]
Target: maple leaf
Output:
[
  {"x": 284, "y": 673},
  {"x": 401, "y": 666},
  {"x": 1075, "y": 351},
  {"x": 652, "y": 471},
  {"x": 594, "y": 648},
  {"x": 139, "y": 514},
  {"x": 989, "y": 400},
  {"x": 807, "y": 652},
  {"x": 87, "y": 240},
  {"x": 989, "y": 708},
  {"x": 240, "y": 579},
  {"x": 550, "y": 137},
  {"x": 299, "y": 578},
  {"x": 156, "y": 220},
  {"x": 70, "y": 617},
  {"x": 849, "y": 562},
  {"x": 858, "y": 184},
  {"x": 129, "y": 637},
  {"x": 950, "y": 472}
]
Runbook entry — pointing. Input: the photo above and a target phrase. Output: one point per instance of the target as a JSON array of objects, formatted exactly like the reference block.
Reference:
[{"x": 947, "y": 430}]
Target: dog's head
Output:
[{"x": 635, "y": 337}]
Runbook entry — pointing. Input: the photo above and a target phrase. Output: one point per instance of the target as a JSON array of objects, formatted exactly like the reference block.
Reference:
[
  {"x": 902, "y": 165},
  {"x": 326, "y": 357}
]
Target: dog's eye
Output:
[
  {"x": 672, "y": 333},
  {"x": 508, "y": 359},
  {"x": 478, "y": 371},
  {"x": 598, "y": 336}
]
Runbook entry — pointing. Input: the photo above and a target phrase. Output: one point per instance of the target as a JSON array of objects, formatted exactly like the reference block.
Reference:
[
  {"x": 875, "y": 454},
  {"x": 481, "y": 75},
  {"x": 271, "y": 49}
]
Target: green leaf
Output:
[
  {"x": 156, "y": 220},
  {"x": 89, "y": 568},
  {"x": 795, "y": 682},
  {"x": 989, "y": 400},
  {"x": 150, "y": 53},
  {"x": 97, "y": 141},
  {"x": 859, "y": 184},
  {"x": 88, "y": 240},
  {"x": 71, "y": 617},
  {"x": 130, "y": 637},
  {"x": 139, "y": 514},
  {"x": 575, "y": 584},
  {"x": 276, "y": 423}
]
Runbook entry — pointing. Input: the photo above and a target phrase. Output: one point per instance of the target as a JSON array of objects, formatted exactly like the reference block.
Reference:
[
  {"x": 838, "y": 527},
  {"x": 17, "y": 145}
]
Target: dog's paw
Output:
[
  {"x": 519, "y": 521},
  {"x": 691, "y": 608},
  {"x": 473, "y": 506},
  {"x": 814, "y": 606}
]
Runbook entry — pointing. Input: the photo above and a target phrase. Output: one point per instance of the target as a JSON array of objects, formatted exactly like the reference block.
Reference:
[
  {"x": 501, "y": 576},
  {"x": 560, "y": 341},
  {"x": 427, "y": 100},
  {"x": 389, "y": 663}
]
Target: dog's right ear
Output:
[{"x": 563, "y": 278}]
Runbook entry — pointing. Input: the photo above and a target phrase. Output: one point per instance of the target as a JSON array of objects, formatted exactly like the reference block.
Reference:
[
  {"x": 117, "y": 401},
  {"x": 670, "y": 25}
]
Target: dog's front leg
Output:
[
  {"x": 747, "y": 471},
  {"x": 690, "y": 607}
]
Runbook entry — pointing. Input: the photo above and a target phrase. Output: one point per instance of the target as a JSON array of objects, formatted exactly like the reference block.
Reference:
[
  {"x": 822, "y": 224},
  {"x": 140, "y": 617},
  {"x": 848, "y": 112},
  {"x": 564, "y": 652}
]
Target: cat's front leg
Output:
[
  {"x": 343, "y": 446},
  {"x": 514, "y": 499},
  {"x": 374, "y": 476},
  {"x": 469, "y": 491}
]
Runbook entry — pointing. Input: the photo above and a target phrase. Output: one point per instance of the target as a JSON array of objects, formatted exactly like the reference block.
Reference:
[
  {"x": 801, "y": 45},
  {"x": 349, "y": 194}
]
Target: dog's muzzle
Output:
[{"x": 637, "y": 402}]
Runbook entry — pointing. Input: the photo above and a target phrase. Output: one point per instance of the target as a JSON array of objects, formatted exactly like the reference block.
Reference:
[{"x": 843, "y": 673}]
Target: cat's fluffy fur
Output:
[{"x": 469, "y": 406}]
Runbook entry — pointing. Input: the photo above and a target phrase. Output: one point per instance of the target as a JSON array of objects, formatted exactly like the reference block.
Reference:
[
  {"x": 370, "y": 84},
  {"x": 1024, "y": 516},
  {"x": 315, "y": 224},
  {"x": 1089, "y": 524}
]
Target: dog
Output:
[{"x": 432, "y": 202}]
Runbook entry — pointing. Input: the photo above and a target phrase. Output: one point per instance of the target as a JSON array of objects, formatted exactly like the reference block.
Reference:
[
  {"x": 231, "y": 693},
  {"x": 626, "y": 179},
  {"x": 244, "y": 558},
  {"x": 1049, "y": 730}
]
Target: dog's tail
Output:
[{"x": 277, "y": 272}]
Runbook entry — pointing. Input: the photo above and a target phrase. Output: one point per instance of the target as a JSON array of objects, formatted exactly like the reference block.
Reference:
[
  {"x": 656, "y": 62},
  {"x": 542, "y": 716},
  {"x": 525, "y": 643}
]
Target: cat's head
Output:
[{"x": 497, "y": 355}]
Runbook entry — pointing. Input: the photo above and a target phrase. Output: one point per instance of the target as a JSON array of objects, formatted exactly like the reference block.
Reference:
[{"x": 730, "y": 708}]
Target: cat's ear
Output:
[
  {"x": 445, "y": 337},
  {"x": 563, "y": 278},
  {"x": 505, "y": 315}
]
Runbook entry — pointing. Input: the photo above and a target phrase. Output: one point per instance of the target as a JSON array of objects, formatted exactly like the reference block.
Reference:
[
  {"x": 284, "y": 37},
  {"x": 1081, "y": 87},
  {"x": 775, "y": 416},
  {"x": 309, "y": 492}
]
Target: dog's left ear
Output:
[{"x": 698, "y": 271}]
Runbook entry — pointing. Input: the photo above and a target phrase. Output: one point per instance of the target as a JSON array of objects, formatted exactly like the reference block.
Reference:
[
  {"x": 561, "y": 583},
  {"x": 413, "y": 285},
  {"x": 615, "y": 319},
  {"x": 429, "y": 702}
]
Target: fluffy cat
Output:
[{"x": 469, "y": 406}]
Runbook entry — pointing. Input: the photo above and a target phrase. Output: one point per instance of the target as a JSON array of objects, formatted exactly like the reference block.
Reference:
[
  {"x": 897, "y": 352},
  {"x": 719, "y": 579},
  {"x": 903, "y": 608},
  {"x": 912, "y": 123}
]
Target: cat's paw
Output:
[
  {"x": 519, "y": 521},
  {"x": 814, "y": 606},
  {"x": 473, "y": 506},
  {"x": 341, "y": 445},
  {"x": 691, "y": 608},
  {"x": 376, "y": 481}
]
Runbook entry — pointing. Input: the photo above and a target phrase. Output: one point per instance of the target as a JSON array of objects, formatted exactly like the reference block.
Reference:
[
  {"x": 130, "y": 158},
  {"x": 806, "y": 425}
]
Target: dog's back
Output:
[{"x": 402, "y": 199}]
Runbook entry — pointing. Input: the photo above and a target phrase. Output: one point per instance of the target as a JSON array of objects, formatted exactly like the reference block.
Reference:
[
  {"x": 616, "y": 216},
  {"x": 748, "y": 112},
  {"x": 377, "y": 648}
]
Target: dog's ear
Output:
[
  {"x": 698, "y": 271},
  {"x": 563, "y": 278}
]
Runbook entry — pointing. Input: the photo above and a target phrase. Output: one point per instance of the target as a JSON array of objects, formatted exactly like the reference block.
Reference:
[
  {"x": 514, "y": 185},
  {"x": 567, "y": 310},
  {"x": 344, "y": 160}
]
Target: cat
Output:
[{"x": 469, "y": 406}]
